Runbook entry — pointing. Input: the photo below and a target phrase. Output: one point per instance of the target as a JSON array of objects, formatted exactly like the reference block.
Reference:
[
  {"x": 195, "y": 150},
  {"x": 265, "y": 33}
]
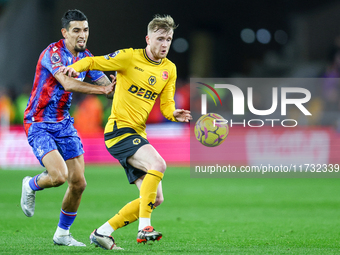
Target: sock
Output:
[
  {"x": 148, "y": 193},
  {"x": 105, "y": 229},
  {"x": 144, "y": 222},
  {"x": 61, "y": 232},
  {"x": 66, "y": 219},
  {"x": 128, "y": 214},
  {"x": 33, "y": 183}
]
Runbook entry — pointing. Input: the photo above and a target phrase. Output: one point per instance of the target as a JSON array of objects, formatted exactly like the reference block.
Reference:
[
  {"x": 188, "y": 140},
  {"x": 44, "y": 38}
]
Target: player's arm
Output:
[
  {"x": 167, "y": 104},
  {"x": 168, "y": 110},
  {"x": 116, "y": 61},
  {"x": 104, "y": 81},
  {"x": 73, "y": 85}
]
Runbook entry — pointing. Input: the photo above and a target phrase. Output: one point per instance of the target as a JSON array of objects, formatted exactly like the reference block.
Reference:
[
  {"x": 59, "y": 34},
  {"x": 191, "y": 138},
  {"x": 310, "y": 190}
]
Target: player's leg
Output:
[
  {"x": 148, "y": 159},
  {"x": 76, "y": 183},
  {"x": 129, "y": 213},
  {"x": 122, "y": 150},
  {"x": 56, "y": 171},
  {"x": 45, "y": 149},
  {"x": 159, "y": 197},
  {"x": 76, "y": 186},
  {"x": 102, "y": 236},
  {"x": 71, "y": 149}
]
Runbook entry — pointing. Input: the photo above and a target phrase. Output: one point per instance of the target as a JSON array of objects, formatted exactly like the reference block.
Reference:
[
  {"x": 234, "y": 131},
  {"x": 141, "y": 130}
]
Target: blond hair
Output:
[{"x": 165, "y": 22}]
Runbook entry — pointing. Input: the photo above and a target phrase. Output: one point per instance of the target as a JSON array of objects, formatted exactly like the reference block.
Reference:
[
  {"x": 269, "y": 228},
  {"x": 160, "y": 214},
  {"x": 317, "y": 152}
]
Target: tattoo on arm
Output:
[{"x": 103, "y": 81}]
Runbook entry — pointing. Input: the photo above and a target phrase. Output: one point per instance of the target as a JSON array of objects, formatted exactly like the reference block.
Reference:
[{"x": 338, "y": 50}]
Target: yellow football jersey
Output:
[{"x": 140, "y": 81}]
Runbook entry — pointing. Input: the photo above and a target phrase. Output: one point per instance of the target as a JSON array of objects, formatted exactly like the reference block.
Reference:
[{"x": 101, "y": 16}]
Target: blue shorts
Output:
[{"x": 62, "y": 136}]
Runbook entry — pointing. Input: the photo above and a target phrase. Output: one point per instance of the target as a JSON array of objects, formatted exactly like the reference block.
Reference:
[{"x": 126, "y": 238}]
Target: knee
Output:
[
  {"x": 78, "y": 186},
  {"x": 57, "y": 177},
  {"x": 159, "y": 165},
  {"x": 82, "y": 186}
]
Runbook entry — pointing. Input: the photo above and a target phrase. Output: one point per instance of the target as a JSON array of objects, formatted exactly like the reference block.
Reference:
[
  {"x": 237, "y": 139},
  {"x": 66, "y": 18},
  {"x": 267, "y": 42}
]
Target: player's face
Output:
[
  {"x": 76, "y": 36},
  {"x": 159, "y": 43}
]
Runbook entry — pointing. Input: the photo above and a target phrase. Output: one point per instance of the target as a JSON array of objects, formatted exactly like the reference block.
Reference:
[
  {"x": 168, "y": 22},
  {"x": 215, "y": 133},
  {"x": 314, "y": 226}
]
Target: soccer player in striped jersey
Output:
[
  {"x": 142, "y": 76},
  {"x": 49, "y": 126}
]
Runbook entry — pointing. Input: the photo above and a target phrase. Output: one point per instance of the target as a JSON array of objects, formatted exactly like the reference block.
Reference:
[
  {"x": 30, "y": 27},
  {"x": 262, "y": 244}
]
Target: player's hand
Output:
[
  {"x": 113, "y": 82},
  {"x": 182, "y": 115},
  {"x": 109, "y": 89},
  {"x": 69, "y": 71}
]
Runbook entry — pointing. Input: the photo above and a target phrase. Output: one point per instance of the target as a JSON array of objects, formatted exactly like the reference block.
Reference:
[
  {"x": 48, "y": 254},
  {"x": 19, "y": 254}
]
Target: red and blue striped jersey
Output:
[{"x": 49, "y": 102}]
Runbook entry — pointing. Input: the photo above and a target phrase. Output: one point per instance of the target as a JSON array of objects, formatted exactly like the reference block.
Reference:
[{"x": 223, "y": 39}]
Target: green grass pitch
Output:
[{"x": 199, "y": 216}]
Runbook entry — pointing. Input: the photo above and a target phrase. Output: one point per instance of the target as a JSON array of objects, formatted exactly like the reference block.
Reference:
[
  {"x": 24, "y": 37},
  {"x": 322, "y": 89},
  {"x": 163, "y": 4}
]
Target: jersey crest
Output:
[{"x": 152, "y": 80}]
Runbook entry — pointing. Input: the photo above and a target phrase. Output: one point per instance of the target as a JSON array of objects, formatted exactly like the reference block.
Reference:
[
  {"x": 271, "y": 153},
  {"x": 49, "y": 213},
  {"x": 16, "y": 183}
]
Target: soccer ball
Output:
[{"x": 208, "y": 134}]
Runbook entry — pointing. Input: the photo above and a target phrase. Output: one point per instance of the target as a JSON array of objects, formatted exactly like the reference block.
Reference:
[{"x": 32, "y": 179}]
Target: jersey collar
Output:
[
  {"x": 150, "y": 60},
  {"x": 79, "y": 53}
]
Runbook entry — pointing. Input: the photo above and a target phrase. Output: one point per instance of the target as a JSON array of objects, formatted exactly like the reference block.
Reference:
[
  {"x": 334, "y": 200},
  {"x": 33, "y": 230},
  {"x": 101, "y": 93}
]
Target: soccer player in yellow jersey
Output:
[{"x": 142, "y": 76}]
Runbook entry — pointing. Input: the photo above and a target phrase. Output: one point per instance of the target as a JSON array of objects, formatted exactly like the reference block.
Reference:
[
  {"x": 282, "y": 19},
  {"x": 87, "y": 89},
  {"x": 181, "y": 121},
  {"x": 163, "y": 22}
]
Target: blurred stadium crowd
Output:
[{"x": 90, "y": 112}]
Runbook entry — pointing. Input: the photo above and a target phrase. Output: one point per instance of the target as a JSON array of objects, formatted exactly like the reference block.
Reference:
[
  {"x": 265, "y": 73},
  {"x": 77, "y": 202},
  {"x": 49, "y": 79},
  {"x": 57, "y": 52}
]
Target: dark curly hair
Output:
[{"x": 72, "y": 15}]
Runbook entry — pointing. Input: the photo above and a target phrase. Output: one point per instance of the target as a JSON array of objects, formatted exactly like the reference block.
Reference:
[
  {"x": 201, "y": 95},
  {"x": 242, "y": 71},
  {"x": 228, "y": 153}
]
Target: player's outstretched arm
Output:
[
  {"x": 104, "y": 81},
  {"x": 182, "y": 115},
  {"x": 73, "y": 85}
]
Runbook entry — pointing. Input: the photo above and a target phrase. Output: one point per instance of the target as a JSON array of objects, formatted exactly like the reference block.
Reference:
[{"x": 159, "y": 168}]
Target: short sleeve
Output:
[
  {"x": 95, "y": 75},
  {"x": 52, "y": 61}
]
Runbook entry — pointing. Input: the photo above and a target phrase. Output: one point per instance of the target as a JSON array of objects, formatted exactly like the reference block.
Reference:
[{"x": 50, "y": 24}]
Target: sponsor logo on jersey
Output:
[
  {"x": 112, "y": 55},
  {"x": 56, "y": 65},
  {"x": 55, "y": 48},
  {"x": 55, "y": 58},
  {"x": 136, "y": 141},
  {"x": 152, "y": 80},
  {"x": 147, "y": 94},
  {"x": 107, "y": 57},
  {"x": 165, "y": 75},
  {"x": 139, "y": 69}
]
